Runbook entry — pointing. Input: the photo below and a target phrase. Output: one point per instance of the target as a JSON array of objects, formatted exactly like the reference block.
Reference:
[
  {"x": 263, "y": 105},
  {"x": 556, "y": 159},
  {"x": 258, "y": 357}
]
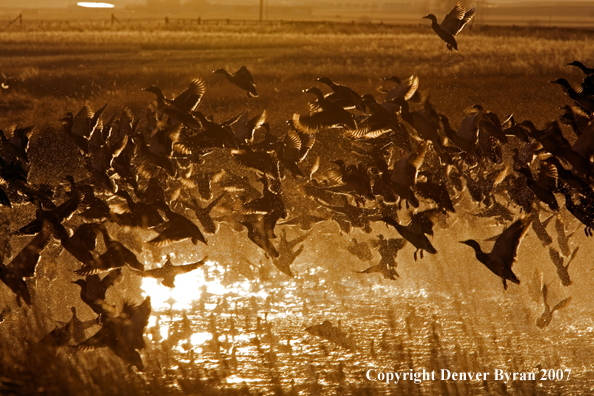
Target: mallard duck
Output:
[
  {"x": 503, "y": 255},
  {"x": 122, "y": 333},
  {"x": 326, "y": 114},
  {"x": 23, "y": 264},
  {"x": 187, "y": 101},
  {"x": 168, "y": 271},
  {"x": 343, "y": 95},
  {"x": 452, "y": 24},
  {"x": 241, "y": 78}
]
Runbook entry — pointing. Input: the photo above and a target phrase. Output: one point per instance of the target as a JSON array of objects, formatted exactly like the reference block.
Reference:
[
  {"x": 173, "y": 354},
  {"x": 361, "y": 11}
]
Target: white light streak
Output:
[
  {"x": 200, "y": 338},
  {"x": 88, "y": 4},
  {"x": 186, "y": 290}
]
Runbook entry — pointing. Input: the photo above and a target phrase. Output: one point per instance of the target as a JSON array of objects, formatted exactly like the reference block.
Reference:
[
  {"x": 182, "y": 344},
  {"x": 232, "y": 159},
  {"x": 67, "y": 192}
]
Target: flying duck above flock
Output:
[
  {"x": 452, "y": 24},
  {"x": 349, "y": 164},
  {"x": 242, "y": 78}
]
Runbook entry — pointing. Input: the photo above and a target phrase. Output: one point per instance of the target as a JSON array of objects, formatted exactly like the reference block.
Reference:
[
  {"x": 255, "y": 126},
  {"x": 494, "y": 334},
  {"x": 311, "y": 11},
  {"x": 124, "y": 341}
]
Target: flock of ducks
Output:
[{"x": 396, "y": 161}]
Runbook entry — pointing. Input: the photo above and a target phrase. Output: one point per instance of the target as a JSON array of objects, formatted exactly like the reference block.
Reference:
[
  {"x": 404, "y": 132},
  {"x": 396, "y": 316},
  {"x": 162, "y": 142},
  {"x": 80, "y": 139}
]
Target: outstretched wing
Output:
[
  {"x": 451, "y": 22},
  {"x": 396, "y": 244},
  {"x": 182, "y": 269},
  {"x": 98, "y": 340},
  {"x": 457, "y": 18},
  {"x": 561, "y": 304},
  {"x": 555, "y": 257},
  {"x": 467, "y": 17},
  {"x": 506, "y": 246},
  {"x": 298, "y": 240},
  {"x": 245, "y": 74},
  {"x": 25, "y": 262},
  {"x": 189, "y": 99}
]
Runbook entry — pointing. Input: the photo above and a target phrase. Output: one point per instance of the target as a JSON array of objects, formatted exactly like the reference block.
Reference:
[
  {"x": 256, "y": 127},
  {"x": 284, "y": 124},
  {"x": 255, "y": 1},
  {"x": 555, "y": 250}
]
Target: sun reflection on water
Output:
[
  {"x": 164, "y": 331},
  {"x": 188, "y": 288},
  {"x": 191, "y": 286},
  {"x": 185, "y": 291},
  {"x": 200, "y": 338},
  {"x": 244, "y": 329}
]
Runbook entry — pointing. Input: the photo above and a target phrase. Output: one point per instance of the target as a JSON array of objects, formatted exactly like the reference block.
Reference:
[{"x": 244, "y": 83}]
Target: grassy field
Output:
[{"x": 506, "y": 70}]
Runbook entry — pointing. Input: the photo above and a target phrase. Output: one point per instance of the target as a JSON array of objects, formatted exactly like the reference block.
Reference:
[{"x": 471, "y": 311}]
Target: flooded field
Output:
[
  {"x": 254, "y": 334},
  {"x": 431, "y": 237}
]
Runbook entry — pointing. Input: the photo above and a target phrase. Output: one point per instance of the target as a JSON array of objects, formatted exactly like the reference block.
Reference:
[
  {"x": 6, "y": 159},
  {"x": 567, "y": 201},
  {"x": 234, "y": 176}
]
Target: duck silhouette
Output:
[
  {"x": 242, "y": 78},
  {"x": 24, "y": 263},
  {"x": 93, "y": 288},
  {"x": 325, "y": 114},
  {"x": 547, "y": 316},
  {"x": 502, "y": 256},
  {"x": 187, "y": 101},
  {"x": 168, "y": 271},
  {"x": 116, "y": 255},
  {"x": 452, "y": 24},
  {"x": 122, "y": 332}
]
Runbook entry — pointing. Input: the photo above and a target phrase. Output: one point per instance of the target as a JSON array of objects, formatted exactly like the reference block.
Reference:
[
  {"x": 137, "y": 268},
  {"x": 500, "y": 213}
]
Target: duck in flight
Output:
[
  {"x": 186, "y": 101},
  {"x": 343, "y": 95},
  {"x": 168, "y": 271},
  {"x": 588, "y": 82},
  {"x": 332, "y": 333},
  {"x": 93, "y": 288},
  {"x": 452, "y": 24},
  {"x": 122, "y": 332},
  {"x": 360, "y": 250},
  {"x": 66, "y": 333},
  {"x": 558, "y": 261},
  {"x": 24, "y": 263},
  {"x": 503, "y": 255},
  {"x": 547, "y": 315},
  {"x": 242, "y": 78}
]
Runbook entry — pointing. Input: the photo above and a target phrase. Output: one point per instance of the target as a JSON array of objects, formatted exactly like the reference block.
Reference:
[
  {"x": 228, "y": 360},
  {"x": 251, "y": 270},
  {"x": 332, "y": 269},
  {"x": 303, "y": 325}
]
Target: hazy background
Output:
[{"x": 579, "y": 13}]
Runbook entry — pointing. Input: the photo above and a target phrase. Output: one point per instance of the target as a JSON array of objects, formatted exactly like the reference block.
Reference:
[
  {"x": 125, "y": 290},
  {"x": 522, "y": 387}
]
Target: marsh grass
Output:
[
  {"x": 47, "y": 90},
  {"x": 114, "y": 65},
  {"x": 30, "y": 367}
]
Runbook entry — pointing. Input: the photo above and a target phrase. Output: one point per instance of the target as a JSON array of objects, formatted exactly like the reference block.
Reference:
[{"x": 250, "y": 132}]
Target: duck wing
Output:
[
  {"x": 405, "y": 90},
  {"x": 561, "y": 304},
  {"x": 506, "y": 245},
  {"x": 101, "y": 339},
  {"x": 457, "y": 18},
  {"x": 189, "y": 99},
  {"x": 467, "y": 17},
  {"x": 182, "y": 269},
  {"x": 396, "y": 244},
  {"x": 111, "y": 278},
  {"x": 245, "y": 74},
  {"x": 26, "y": 260}
]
